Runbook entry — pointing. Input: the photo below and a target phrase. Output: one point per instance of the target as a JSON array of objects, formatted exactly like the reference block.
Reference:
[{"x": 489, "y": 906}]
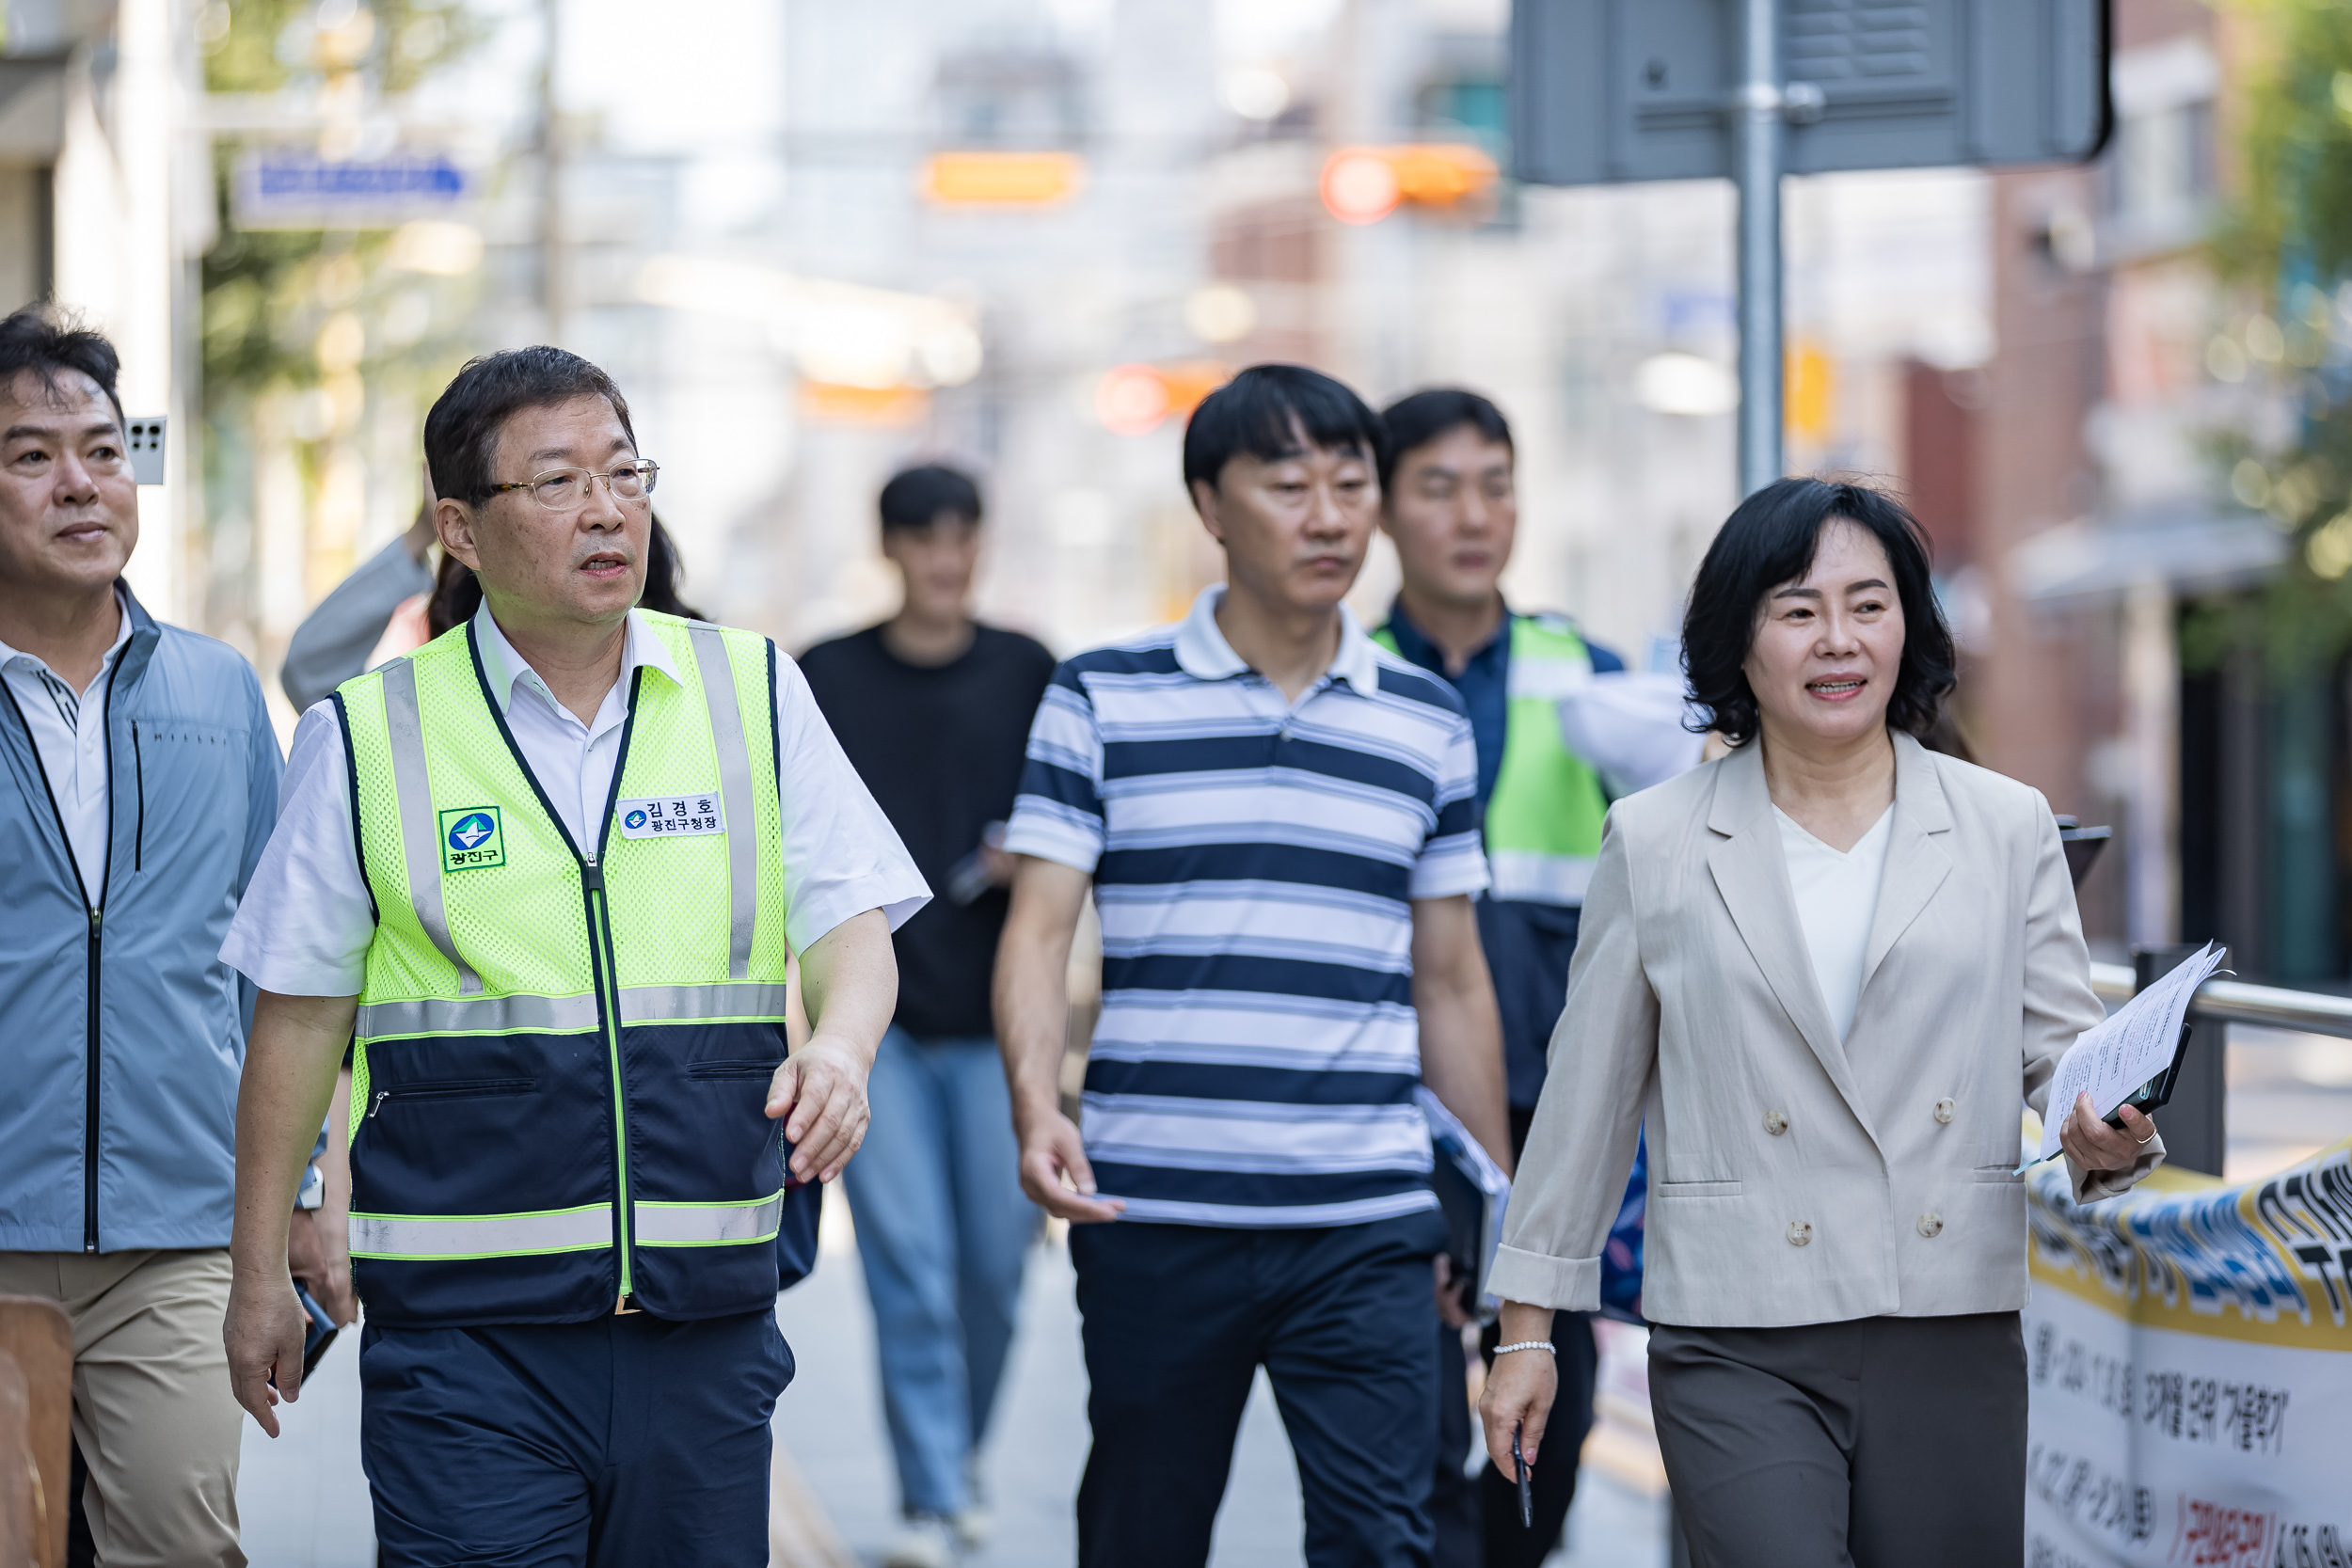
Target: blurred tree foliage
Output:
[
  {"x": 2286, "y": 241},
  {"x": 330, "y": 318},
  {"x": 265, "y": 291}
]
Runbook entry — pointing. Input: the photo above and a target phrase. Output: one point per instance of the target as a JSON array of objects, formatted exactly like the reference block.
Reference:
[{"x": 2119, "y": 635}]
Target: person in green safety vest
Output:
[
  {"x": 550, "y": 869},
  {"x": 1449, "y": 506}
]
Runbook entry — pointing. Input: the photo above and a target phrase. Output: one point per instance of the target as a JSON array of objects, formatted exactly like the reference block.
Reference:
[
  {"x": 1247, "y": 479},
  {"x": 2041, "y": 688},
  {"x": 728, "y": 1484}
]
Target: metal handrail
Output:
[{"x": 2236, "y": 1001}]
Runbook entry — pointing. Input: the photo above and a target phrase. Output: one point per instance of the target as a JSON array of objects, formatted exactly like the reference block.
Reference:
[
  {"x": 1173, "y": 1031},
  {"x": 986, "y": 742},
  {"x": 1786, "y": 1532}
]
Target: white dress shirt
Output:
[
  {"x": 69, "y": 736},
  {"x": 1838, "y": 898},
  {"x": 306, "y": 922}
]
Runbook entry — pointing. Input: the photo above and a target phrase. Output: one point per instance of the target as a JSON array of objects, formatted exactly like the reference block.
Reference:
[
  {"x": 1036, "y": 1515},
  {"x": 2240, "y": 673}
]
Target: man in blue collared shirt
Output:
[{"x": 1449, "y": 503}]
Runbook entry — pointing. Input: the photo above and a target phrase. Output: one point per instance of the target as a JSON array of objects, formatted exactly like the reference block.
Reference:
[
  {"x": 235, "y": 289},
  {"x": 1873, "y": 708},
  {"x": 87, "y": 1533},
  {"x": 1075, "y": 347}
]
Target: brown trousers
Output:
[{"x": 153, "y": 1414}]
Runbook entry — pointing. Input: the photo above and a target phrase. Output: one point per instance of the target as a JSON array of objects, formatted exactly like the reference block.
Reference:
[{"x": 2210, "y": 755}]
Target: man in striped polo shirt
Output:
[{"x": 1275, "y": 816}]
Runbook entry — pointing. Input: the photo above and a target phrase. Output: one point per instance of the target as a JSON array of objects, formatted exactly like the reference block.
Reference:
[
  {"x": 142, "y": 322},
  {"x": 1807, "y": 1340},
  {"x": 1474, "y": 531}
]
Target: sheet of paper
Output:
[{"x": 2110, "y": 1060}]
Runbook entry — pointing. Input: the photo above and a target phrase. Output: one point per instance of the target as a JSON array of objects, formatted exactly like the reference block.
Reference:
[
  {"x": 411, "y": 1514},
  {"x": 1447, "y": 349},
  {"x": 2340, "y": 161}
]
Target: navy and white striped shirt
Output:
[{"x": 1254, "y": 865}]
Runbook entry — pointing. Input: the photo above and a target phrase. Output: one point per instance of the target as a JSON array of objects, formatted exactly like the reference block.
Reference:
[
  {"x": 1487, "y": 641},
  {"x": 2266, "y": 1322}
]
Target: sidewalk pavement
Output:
[
  {"x": 305, "y": 1503},
  {"x": 830, "y": 1425}
]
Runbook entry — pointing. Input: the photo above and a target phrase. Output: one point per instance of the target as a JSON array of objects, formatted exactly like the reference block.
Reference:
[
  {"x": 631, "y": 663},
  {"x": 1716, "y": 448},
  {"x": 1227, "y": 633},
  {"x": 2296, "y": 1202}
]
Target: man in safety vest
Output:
[
  {"x": 551, "y": 867},
  {"x": 1448, "y": 502}
]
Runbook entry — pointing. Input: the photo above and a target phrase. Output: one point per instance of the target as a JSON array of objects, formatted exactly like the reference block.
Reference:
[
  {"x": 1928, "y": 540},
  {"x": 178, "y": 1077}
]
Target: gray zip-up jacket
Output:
[{"x": 121, "y": 1032}]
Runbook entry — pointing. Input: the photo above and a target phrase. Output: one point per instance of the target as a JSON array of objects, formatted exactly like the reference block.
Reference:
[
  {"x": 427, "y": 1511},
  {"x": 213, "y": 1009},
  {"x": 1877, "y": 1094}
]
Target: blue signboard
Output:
[{"x": 282, "y": 188}]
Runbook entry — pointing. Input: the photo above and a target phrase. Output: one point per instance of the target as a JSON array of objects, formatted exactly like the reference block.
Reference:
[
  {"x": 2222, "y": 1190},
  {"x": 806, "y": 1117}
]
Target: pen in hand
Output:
[{"x": 1527, "y": 1491}]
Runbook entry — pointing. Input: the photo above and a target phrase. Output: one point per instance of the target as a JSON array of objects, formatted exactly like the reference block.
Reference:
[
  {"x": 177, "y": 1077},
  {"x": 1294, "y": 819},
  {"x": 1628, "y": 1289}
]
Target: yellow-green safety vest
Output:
[
  {"x": 563, "y": 1050},
  {"x": 1543, "y": 820}
]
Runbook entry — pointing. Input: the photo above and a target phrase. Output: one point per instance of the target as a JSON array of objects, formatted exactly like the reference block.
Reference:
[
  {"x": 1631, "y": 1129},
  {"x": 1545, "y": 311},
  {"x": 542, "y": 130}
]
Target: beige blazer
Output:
[{"x": 1795, "y": 1177}]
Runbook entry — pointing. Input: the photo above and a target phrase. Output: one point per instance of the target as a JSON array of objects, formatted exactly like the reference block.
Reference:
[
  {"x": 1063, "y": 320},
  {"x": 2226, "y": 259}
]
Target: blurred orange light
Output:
[
  {"x": 1364, "y": 184},
  {"x": 1810, "y": 391},
  {"x": 1441, "y": 174},
  {"x": 1002, "y": 179},
  {"x": 1359, "y": 185},
  {"x": 1131, "y": 400},
  {"x": 1134, "y": 400},
  {"x": 834, "y": 403}
]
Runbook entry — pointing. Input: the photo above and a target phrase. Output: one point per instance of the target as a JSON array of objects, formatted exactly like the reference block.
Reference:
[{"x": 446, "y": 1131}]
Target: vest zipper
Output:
[
  {"x": 608, "y": 998},
  {"x": 604, "y": 969}
]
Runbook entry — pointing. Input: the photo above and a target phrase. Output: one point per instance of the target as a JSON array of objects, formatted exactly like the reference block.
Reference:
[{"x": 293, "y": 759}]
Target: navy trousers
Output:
[
  {"x": 1178, "y": 1319},
  {"x": 624, "y": 1441}
]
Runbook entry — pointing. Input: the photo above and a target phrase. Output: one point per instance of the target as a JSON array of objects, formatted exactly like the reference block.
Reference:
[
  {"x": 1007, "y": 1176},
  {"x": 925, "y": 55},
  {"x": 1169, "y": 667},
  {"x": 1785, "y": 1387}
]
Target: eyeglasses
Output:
[{"x": 568, "y": 489}]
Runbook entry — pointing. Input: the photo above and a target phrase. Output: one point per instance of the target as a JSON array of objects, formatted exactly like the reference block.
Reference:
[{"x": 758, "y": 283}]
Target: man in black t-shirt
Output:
[{"x": 933, "y": 710}]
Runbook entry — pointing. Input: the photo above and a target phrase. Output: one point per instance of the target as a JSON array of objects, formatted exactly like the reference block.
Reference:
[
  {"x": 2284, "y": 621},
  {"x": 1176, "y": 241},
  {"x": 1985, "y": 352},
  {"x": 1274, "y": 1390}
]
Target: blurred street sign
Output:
[
  {"x": 283, "y": 188},
  {"x": 1606, "y": 90},
  {"x": 1609, "y": 90}
]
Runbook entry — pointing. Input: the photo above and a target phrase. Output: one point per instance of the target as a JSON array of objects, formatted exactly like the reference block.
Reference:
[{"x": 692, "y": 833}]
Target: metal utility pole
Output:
[
  {"x": 1759, "y": 105},
  {"x": 553, "y": 292},
  {"x": 1608, "y": 91}
]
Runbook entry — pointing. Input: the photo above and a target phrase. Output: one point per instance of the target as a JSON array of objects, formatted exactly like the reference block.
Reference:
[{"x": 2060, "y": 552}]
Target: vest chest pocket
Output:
[
  {"x": 451, "y": 1088},
  {"x": 746, "y": 1069}
]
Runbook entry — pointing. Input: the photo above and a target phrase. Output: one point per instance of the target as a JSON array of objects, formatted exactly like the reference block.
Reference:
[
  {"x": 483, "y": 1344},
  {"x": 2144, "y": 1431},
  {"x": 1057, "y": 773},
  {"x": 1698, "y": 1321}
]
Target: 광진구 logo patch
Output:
[{"x": 473, "y": 836}]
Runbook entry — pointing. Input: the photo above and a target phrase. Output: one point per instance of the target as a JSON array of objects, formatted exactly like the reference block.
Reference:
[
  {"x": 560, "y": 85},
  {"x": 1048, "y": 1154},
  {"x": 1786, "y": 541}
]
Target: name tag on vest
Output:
[{"x": 671, "y": 816}]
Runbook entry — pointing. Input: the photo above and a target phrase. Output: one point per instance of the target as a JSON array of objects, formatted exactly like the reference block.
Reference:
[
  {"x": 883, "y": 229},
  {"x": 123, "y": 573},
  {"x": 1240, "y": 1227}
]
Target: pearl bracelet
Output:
[{"x": 1524, "y": 1345}]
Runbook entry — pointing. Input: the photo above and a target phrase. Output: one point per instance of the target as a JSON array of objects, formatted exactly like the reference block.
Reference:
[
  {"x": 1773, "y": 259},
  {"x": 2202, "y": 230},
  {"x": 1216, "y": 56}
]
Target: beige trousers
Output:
[{"x": 152, "y": 1413}]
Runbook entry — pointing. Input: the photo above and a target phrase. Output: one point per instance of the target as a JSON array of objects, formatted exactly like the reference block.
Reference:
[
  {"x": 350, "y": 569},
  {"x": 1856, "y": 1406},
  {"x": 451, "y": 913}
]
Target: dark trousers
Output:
[
  {"x": 1177, "y": 1320},
  {"x": 1881, "y": 1443},
  {"x": 1478, "y": 1521},
  {"x": 624, "y": 1441}
]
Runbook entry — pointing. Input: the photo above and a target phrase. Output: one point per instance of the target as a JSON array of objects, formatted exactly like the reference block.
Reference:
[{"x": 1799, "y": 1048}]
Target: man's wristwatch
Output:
[{"x": 313, "y": 1192}]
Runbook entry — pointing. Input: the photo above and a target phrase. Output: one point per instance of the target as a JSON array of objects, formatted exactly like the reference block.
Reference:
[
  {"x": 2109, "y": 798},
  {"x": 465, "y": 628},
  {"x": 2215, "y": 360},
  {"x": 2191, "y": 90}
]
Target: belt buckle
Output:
[{"x": 623, "y": 1305}]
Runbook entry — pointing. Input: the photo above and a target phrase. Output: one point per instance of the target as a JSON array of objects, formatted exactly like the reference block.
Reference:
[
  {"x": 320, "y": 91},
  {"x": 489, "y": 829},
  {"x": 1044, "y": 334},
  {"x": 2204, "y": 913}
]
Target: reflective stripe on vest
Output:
[
  {"x": 1546, "y": 677},
  {"x": 419, "y": 830},
  {"x": 707, "y": 1223},
  {"x": 450, "y": 1236},
  {"x": 485, "y": 1015},
  {"x": 571, "y": 1015},
  {"x": 735, "y": 792},
  {"x": 702, "y": 1004},
  {"x": 1543, "y": 820},
  {"x": 1538, "y": 878}
]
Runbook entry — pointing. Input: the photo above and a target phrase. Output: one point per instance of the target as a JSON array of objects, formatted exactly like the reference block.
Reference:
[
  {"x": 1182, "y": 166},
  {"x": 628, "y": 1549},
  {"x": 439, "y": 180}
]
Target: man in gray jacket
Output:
[{"x": 139, "y": 782}]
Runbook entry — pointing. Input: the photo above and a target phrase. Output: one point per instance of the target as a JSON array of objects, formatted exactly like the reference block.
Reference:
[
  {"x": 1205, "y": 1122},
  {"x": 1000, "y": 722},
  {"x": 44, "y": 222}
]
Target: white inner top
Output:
[
  {"x": 70, "y": 738},
  {"x": 307, "y": 919},
  {"x": 1837, "y": 898}
]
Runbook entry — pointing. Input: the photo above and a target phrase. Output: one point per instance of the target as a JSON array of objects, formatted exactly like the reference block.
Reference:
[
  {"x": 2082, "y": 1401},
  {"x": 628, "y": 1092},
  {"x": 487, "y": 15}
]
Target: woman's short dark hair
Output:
[
  {"x": 458, "y": 592},
  {"x": 461, "y": 432},
  {"x": 915, "y": 498},
  {"x": 1769, "y": 539},
  {"x": 1426, "y": 415},
  {"x": 1266, "y": 409}
]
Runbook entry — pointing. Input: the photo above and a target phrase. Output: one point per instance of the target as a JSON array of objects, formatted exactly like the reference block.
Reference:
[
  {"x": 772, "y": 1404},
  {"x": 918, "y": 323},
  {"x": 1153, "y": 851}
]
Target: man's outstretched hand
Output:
[
  {"x": 819, "y": 1093},
  {"x": 263, "y": 1334},
  {"x": 1055, "y": 1174}
]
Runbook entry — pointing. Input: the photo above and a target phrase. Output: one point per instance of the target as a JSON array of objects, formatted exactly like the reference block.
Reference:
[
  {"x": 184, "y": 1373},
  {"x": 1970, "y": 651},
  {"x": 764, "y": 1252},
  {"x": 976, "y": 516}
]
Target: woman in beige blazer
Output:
[{"x": 1823, "y": 970}]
